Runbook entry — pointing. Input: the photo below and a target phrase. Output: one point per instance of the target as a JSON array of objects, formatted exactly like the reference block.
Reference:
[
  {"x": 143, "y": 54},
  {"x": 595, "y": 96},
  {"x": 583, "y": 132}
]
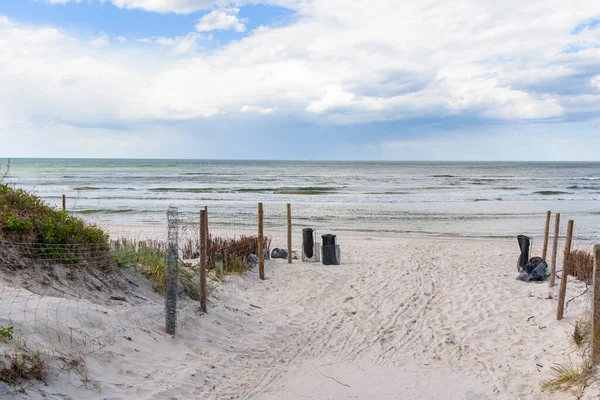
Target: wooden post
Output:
[
  {"x": 565, "y": 273},
  {"x": 203, "y": 246},
  {"x": 552, "y": 280},
  {"x": 546, "y": 233},
  {"x": 261, "y": 244},
  {"x": 596, "y": 307},
  {"x": 64, "y": 203},
  {"x": 289, "y": 232}
]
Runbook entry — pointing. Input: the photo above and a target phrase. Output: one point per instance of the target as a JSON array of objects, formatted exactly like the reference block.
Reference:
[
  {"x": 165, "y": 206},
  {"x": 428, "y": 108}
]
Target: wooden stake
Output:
[
  {"x": 546, "y": 233},
  {"x": 261, "y": 244},
  {"x": 203, "y": 248},
  {"x": 289, "y": 232},
  {"x": 552, "y": 280},
  {"x": 64, "y": 202},
  {"x": 596, "y": 307},
  {"x": 565, "y": 273}
]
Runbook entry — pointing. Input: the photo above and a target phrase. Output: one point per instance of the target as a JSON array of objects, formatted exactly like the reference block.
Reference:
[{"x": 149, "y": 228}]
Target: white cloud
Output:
[
  {"x": 257, "y": 109},
  {"x": 122, "y": 39},
  {"x": 178, "y": 44},
  {"x": 595, "y": 81},
  {"x": 333, "y": 64},
  {"x": 100, "y": 41},
  {"x": 164, "y": 6},
  {"x": 190, "y": 6},
  {"x": 225, "y": 19}
]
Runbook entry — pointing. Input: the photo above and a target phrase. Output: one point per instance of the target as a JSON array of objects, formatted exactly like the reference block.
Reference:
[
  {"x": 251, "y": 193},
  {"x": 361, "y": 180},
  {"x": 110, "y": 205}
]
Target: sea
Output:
[{"x": 458, "y": 199}]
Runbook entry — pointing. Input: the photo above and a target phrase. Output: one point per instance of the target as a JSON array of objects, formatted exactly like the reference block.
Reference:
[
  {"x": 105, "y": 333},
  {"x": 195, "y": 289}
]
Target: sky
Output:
[{"x": 301, "y": 79}]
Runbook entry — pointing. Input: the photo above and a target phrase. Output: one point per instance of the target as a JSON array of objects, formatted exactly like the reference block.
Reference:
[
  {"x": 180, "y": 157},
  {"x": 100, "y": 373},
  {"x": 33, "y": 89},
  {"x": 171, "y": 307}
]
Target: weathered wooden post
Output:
[
  {"x": 596, "y": 307},
  {"x": 64, "y": 202},
  {"x": 203, "y": 249},
  {"x": 261, "y": 243},
  {"x": 565, "y": 272},
  {"x": 289, "y": 232},
  {"x": 552, "y": 280},
  {"x": 546, "y": 233}
]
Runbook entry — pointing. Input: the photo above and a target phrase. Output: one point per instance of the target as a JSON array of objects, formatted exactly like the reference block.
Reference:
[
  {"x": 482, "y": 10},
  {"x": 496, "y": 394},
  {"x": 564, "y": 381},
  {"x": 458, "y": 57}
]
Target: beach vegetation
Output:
[
  {"x": 582, "y": 332},
  {"x": 19, "y": 365},
  {"x": 25, "y": 218},
  {"x": 581, "y": 265},
  {"x": 236, "y": 265},
  {"x": 6, "y": 332},
  {"x": 149, "y": 257},
  {"x": 235, "y": 251},
  {"x": 570, "y": 377}
]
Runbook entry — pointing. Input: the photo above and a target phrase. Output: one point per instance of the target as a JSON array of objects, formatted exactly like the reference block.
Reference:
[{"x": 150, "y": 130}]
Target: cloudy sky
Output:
[{"x": 301, "y": 79}]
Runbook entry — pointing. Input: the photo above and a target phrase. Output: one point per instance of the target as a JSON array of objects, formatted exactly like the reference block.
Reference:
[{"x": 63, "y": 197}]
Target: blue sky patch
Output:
[{"x": 94, "y": 17}]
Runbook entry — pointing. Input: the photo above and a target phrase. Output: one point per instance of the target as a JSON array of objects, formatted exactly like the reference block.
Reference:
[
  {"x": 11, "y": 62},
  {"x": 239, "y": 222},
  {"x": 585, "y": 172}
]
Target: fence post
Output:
[
  {"x": 565, "y": 273},
  {"x": 289, "y": 232},
  {"x": 261, "y": 244},
  {"x": 203, "y": 254},
  {"x": 546, "y": 233},
  {"x": 64, "y": 203},
  {"x": 596, "y": 307},
  {"x": 552, "y": 280},
  {"x": 172, "y": 272}
]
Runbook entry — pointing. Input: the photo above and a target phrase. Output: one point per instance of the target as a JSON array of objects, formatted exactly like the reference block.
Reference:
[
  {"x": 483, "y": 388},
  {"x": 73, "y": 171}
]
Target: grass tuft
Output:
[
  {"x": 570, "y": 376},
  {"x": 151, "y": 258},
  {"x": 19, "y": 366},
  {"x": 581, "y": 265}
]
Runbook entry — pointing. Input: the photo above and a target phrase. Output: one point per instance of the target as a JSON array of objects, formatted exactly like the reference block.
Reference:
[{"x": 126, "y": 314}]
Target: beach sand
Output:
[{"x": 401, "y": 318}]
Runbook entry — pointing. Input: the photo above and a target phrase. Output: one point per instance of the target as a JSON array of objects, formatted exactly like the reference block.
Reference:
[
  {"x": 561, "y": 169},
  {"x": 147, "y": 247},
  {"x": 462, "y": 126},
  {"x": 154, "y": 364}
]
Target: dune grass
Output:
[
  {"x": 570, "y": 376},
  {"x": 25, "y": 218}
]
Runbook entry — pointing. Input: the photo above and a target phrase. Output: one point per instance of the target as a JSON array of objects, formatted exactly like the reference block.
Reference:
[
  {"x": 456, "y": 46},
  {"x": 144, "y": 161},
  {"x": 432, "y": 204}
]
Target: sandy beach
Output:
[{"x": 401, "y": 318}]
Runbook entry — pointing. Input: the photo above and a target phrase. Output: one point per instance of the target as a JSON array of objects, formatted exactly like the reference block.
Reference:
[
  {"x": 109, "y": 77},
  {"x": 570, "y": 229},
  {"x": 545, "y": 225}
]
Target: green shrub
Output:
[
  {"x": 17, "y": 225},
  {"x": 24, "y": 213}
]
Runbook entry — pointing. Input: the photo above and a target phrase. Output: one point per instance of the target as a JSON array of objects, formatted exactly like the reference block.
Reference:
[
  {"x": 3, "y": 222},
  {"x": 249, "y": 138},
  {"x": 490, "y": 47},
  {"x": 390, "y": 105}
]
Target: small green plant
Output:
[
  {"x": 17, "y": 225},
  {"x": 578, "y": 335},
  {"x": 236, "y": 265},
  {"x": 6, "y": 332}
]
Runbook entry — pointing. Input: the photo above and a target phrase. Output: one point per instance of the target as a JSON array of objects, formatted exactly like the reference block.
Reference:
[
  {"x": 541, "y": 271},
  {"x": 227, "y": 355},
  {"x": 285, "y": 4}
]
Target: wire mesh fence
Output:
[{"x": 83, "y": 297}]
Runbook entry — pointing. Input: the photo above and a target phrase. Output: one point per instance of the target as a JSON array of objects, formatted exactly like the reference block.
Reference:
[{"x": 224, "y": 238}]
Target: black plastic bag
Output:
[
  {"x": 536, "y": 270},
  {"x": 279, "y": 253}
]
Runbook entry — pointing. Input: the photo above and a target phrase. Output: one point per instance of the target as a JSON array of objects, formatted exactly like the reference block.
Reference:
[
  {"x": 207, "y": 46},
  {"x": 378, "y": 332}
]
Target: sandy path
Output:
[
  {"x": 400, "y": 319},
  {"x": 427, "y": 317}
]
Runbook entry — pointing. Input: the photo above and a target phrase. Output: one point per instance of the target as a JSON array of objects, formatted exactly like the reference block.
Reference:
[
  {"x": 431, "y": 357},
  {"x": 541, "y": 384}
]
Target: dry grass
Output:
[
  {"x": 235, "y": 251},
  {"x": 20, "y": 365},
  {"x": 581, "y": 265},
  {"x": 570, "y": 376}
]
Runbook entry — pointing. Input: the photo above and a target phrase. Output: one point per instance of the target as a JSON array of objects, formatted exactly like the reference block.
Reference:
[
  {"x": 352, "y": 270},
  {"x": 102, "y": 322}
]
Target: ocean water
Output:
[{"x": 465, "y": 199}]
